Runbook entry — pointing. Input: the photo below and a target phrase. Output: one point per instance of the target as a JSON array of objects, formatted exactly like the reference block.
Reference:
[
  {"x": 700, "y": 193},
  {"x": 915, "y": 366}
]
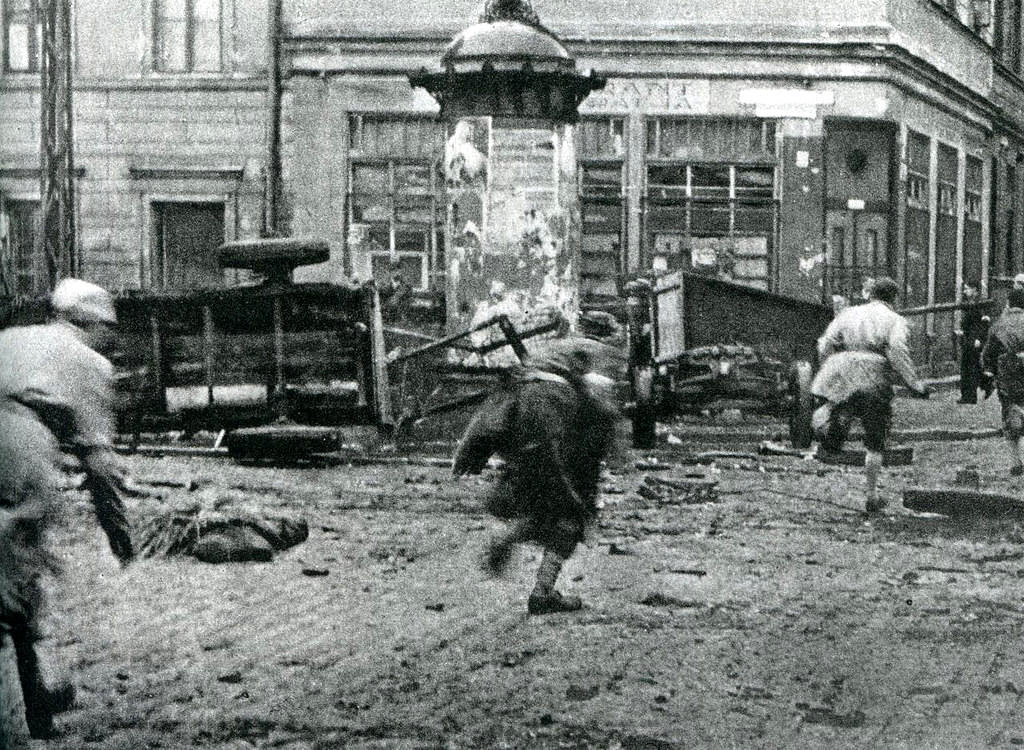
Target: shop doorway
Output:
[{"x": 858, "y": 203}]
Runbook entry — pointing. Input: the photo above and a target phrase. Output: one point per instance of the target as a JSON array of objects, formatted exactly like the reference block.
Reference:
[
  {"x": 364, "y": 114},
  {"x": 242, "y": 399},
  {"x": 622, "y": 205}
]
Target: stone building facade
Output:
[{"x": 795, "y": 145}]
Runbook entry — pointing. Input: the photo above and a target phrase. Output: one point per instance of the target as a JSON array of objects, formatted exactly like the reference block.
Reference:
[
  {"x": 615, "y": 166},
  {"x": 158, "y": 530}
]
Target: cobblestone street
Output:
[{"x": 777, "y": 616}]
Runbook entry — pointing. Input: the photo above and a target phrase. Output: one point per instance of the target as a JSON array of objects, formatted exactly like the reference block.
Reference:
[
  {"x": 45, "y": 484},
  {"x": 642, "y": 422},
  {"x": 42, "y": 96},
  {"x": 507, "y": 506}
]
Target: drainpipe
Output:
[{"x": 272, "y": 188}]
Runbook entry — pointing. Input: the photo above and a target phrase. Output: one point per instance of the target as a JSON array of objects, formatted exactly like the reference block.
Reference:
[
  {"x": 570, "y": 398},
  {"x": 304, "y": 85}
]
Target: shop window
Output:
[
  {"x": 602, "y": 138},
  {"x": 918, "y": 162},
  {"x": 23, "y": 268},
  {"x": 947, "y": 169},
  {"x": 396, "y": 198},
  {"x": 603, "y": 230},
  {"x": 972, "y": 245},
  {"x": 972, "y": 189},
  {"x": 601, "y": 151},
  {"x": 21, "y": 36},
  {"x": 918, "y": 159},
  {"x": 713, "y": 218},
  {"x": 947, "y": 198},
  {"x": 186, "y": 36},
  {"x": 711, "y": 139}
]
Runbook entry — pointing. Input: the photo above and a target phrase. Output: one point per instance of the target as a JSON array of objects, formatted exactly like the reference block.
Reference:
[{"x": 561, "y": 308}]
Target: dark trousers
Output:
[
  {"x": 970, "y": 373},
  {"x": 874, "y": 410}
]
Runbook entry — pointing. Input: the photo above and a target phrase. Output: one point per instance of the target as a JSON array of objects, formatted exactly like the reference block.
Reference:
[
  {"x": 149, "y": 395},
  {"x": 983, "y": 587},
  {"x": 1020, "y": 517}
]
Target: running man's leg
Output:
[
  {"x": 875, "y": 416},
  {"x": 1013, "y": 431},
  {"x": 560, "y": 539}
]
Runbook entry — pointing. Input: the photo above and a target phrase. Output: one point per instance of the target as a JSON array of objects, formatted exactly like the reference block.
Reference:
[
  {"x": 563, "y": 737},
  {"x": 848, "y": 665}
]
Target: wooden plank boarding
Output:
[
  {"x": 960, "y": 502},
  {"x": 898, "y": 455},
  {"x": 380, "y": 386},
  {"x": 208, "y": 352},
  {"x": 277, "y": 398}
]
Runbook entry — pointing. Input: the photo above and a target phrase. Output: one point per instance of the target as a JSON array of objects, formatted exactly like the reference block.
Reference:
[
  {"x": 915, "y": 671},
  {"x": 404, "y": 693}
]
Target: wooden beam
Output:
[
  {"x": 960, "y": 502},
  {"x": 895, "y": 456}
]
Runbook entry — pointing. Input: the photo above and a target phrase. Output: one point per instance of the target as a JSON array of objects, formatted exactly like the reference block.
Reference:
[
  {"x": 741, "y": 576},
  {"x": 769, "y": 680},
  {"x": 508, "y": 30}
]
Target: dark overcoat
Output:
[{"x": 553, "y": 431}]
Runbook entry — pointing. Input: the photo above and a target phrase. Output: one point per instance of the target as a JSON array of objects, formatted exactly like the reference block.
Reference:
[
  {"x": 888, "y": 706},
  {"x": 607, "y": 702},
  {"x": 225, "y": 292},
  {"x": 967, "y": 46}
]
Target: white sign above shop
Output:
[
  {"x": 650, "y": 96},
  {"x": 778, "y": 102}
]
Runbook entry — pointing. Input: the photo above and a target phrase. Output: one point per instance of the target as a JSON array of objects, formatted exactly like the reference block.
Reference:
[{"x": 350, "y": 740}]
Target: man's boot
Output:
[
  {"x": 545, "y": 599},
  {"x": 41, "y": 703}
]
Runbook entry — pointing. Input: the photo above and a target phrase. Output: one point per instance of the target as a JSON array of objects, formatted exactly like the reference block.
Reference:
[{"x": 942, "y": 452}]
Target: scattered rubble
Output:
[
  {"x": 692, "y": 490},
  {"x": 657, "y": 599}
]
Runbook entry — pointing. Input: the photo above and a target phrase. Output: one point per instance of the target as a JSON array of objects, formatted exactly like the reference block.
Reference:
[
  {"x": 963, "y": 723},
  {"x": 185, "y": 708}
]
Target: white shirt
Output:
[{"x": 864, "y": 348}]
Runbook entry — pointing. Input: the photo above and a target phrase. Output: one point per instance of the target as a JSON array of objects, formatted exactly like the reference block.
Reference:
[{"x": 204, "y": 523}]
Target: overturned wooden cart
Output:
[
  {"x": 265, "y": 364},
  {"x": 698, "y": 341}
]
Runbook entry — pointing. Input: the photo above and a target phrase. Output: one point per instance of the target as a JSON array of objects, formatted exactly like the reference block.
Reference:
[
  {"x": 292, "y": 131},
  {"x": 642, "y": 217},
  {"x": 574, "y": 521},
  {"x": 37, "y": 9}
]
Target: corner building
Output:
[{"x": 794, "y": 145}]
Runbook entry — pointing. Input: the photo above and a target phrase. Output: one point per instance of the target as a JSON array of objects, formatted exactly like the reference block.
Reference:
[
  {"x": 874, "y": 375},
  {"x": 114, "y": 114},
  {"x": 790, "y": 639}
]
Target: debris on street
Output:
[
  {"x": 689, "y": 490},
  {"x": 893, "y": 456},
  {"x": 963, "y": 501}
]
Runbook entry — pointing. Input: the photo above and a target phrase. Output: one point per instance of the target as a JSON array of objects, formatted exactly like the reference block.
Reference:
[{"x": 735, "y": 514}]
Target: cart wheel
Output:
[{"x": 801, "y": 405}]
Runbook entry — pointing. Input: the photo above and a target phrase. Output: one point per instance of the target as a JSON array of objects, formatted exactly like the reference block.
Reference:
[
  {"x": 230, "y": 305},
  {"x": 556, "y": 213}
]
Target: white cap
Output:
[
  {"x": 82, "y": 302},
  {"x": 1018, "y": 281}
]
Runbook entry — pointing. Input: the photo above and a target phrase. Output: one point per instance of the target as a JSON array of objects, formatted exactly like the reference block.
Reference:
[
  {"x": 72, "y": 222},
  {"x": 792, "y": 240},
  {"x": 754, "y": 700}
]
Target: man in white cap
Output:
[{"x": 56, "y": 393}]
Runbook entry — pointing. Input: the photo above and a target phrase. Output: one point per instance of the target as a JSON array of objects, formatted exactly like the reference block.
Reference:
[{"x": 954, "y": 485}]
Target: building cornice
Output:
[
  {"x": 171, "y": 171},
  {"x": 627, "y": 57},
  {"x": 30, "y": 82},
  {"x": 27, "y": 172}
]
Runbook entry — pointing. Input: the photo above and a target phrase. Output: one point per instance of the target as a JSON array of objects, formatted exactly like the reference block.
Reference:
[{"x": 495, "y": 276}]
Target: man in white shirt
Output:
[
  {"x": 56, "y": 392},
  {"x": 863, "y": 353}
]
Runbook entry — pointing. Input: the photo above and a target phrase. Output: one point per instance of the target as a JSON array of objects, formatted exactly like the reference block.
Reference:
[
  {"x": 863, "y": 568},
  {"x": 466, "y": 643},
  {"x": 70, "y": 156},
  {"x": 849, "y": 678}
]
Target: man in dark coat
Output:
[
  {"x": 972, "y": 334},
  {"x": 56, "y": 392},
  {"x": 553, "y": 425},
  {"x": 1001, "y": 360}
]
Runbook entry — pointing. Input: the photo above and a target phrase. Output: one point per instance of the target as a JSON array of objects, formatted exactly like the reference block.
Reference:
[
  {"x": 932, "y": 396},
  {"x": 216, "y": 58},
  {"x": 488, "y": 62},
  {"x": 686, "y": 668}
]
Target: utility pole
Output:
[
  {"x": 272, "y": 186},
  {"x": 56, "y": 239}
]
